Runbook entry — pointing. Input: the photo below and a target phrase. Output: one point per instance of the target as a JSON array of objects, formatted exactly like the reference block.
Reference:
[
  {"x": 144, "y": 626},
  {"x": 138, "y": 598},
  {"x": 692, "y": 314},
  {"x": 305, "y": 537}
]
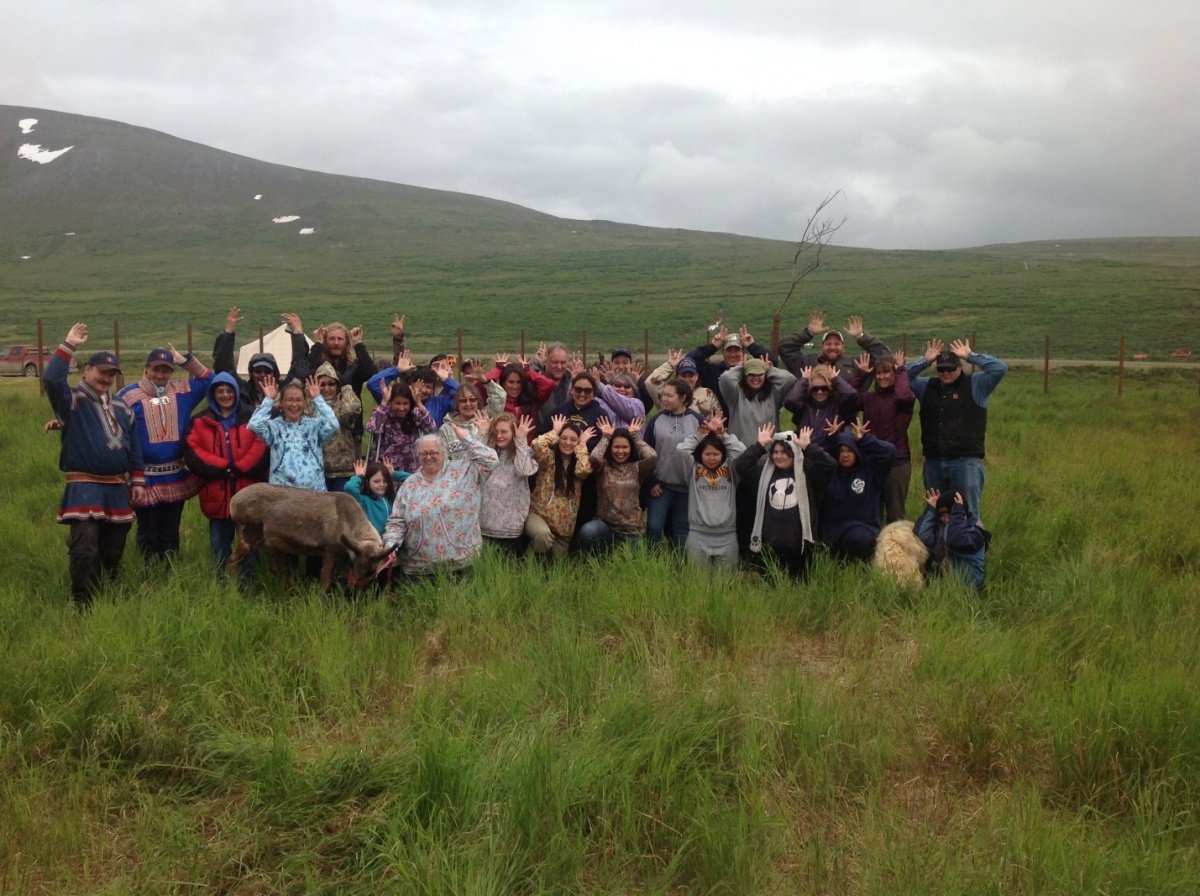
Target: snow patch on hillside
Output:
[
  {"x": 26, "y": 257},
  {"x": 285, "y": 219},
  {"x": 35, "y": 153},
  {"x": 27, "y": 125},
  {"x": 257, "y": 196},
  {"x": 307, "y": 230}
]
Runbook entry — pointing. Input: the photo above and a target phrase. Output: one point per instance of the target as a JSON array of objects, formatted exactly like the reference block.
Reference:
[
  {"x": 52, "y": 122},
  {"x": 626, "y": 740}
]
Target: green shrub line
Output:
[{"x": 632, "y": 725}]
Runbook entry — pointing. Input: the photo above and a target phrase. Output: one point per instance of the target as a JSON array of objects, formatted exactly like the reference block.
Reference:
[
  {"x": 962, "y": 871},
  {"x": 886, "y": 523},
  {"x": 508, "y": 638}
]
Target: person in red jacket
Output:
[{"x": 223, "y": 452}]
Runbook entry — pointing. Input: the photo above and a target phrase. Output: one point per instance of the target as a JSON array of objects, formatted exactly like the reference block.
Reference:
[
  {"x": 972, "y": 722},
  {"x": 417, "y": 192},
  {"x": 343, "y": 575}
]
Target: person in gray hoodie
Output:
[{"x": 706, "y": 458}]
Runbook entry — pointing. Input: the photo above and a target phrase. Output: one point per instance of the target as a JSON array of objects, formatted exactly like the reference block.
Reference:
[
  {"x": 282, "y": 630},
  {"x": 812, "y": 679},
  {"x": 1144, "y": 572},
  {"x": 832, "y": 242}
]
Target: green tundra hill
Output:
[{"x": 157, "y": 232}]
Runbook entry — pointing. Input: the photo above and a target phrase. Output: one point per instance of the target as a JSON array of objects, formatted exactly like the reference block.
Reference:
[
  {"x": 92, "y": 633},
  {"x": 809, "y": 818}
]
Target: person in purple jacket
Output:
[{"x": 888, "y": 410}]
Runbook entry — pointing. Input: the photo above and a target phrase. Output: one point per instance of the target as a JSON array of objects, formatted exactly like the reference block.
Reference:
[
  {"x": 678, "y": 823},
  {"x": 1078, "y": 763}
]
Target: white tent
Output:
[{"x": 278, "y": 342}]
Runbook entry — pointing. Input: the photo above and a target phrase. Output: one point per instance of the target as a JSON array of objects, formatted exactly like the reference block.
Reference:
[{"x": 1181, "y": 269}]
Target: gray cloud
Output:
[{"x": 944, "y": 125}]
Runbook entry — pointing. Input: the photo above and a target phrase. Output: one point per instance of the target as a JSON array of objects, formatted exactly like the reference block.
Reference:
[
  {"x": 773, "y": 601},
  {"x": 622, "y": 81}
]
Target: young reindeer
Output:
[{"x": 308, "y": 523}]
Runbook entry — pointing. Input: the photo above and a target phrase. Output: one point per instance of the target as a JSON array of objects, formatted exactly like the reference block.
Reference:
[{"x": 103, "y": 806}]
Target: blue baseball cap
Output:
[
  {"x": 104, "y": 359},
  {"x": 687, "y": 365},
  {"x": 160, "y": 356}
]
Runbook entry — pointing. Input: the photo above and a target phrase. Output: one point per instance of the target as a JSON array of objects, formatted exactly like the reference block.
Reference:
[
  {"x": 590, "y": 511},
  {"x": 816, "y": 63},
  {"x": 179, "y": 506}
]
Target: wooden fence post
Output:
[
  {"x": 646, "y": 349},
  {"x": 775, "y": 333},
  {"x": 904, "y": 344},
  {"x": 460, "y": 353},
  {"x": 583, "y": 351},
  {"x": 189, "y": 351},
  {"x": 1121, "y": 368},
  {"x": 120, "y": 377},
  {"x": 523, "y": 344},
  {"x": 1046, "y": 368},
  {"x": 260, "y": 341},
  {"x": 41, "y": 352}
]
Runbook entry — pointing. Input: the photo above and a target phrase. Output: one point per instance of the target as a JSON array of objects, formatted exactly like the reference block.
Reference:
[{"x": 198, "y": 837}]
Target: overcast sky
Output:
[{"x": 946, "y": 124}]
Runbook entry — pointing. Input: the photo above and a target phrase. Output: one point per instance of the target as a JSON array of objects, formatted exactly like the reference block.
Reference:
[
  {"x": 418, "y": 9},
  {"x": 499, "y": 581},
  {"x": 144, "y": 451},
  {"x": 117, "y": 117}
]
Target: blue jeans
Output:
[
  {"x": 667, "y": 515},
  {"x": 597, "y": 535},
  {"x": 956, "y": 474},
  {"x": 222, "y": 534}
]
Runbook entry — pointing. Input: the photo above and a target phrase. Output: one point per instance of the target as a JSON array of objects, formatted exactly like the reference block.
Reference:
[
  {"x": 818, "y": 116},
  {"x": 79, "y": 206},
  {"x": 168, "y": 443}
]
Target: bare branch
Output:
[{"x": 817, "y": 234}]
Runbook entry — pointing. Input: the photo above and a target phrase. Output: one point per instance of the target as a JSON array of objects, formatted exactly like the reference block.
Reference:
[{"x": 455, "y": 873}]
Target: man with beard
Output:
[{"x": 833, "y": 346}]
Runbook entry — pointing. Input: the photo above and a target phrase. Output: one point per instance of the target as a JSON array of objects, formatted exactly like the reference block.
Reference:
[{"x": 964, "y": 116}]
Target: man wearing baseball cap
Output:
[
  {"x": 162, "y": 407},
  {"x": 102, "y": 460},
  {"x": 832, "y": 346},
  {"x": 954, "y": 417},
  {"x": 733, "y": 347}
]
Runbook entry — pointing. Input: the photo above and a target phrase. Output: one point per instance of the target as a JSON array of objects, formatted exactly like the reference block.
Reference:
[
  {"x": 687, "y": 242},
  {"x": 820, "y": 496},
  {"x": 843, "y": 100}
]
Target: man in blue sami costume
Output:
[
  {"x": 102, "y": 460},
  {"x": 163, "y": 406}
]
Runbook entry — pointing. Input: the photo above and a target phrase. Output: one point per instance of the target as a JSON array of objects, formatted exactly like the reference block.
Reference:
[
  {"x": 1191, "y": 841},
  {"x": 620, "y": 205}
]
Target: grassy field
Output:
[{"x": 631, "y": 726}]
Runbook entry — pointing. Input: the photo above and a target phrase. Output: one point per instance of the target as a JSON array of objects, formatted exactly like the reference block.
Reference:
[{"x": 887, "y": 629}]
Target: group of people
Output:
[{"x": 542, "y": 453}]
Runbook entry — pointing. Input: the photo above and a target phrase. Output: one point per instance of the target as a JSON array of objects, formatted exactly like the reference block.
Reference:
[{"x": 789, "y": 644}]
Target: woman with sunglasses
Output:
[
  {"x": 469, "y": 413},
  {"x": 819, "y": 396}
]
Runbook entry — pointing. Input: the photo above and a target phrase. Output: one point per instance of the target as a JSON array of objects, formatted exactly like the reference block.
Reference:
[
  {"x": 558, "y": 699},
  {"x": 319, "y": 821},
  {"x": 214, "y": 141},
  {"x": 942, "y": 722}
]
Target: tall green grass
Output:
[{"x": 632, "y": 725}]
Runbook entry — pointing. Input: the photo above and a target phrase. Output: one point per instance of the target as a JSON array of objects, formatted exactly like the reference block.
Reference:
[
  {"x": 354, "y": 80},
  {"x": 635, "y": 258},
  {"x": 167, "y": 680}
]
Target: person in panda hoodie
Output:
[
  {"x": 781, "y": 477},
  {"x": 849, "y": 507}
]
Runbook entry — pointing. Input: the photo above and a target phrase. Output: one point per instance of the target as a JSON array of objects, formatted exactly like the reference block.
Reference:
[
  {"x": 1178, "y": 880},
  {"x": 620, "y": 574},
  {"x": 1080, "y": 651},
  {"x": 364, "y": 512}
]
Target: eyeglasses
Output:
[
  {"x": 582, "y": 391},
  {"x": 428, "y": 455}
]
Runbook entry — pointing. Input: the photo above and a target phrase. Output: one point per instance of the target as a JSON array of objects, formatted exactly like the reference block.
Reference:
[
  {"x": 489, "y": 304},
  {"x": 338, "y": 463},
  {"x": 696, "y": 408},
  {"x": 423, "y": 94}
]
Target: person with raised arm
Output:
[
  {"x": 294, "y": 438},
  {"x": 707, "y": 458},
  {"x": 505, "y": 504},
  {"x": 819, "y": 395},
  {"x": 262, "y": 364},
  {"x": 563, "y": 466},
  {"x": 163, "y": 407},
  {"x": 733, "y": 348},
  {"x": 435, "y": 520},
  {"x": 621, "y": 463},
  {"x": 849, "y": 505},
  {"x": 888, "y": 410},
  {"x": 677, "y": 366},
  {"x": 956, "y": 540},
  {"x": 953, "y": 416},
  {"x": 782, "y": 476},
  {"x": 753, "y": 393},
  {"x": 395, "y": 425},
  {"x": 833, "y": 346},
  {"x": 102, "y": 460}
]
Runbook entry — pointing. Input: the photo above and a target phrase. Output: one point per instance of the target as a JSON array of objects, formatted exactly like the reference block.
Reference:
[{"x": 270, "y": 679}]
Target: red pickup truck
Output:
[{"x": 22, "y": 360}]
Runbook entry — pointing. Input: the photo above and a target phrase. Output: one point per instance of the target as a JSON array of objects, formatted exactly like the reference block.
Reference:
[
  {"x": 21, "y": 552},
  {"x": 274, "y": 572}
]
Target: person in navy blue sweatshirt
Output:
[
  {"x": 956, "y": 541},
  {"x": 849, "y": 514}
]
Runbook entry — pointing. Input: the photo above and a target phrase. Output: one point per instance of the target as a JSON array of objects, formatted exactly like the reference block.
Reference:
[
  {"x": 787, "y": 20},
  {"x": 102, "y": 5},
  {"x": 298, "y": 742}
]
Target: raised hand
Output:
[
  {"x": 319, "y": 333},
  {"x": 605, "y": 371},
  {"x": 816, "y": 322},
  {"x": 636, "y": 425},
  {"x": 524, "y": 427},
  {"x": 360, "y": 468},
  {"x": 636, "y": 368},
  {"x": 958, "y": 498},
  {"x": 461, "y": 433},
  {"x": 176, "y": 356},
  {"x": 716, "y": 422},
  {"x": 293, "y": 322},
  {"x": 860, "y": 429},
  {"x": 77, "y": 335},
  {"x": 390, "y": 467},
  {"x": 404, "y": 363},
  {"x": 356, "y": 335},
  {"x": 674, "y": 356},
  {"x": 312, "y": 387},
  {"x": 586, "y": 436},
  {"x": 961, "y": 347},
  {"x": 804, "y": 437},
  {"x": 747, "y": 339},
  {"x": 933, "y": 348},
  {"x": 766, "y": 433},
  {"x": 605, "y": 426},
  {"x": 576, "y": 366},
  {"x": 270, "y": 387},
  {"x": 557, "y": 422},
  {"x": 482, "y": 420},
  {"x": 804, "y": 373},
  {"x": 385, "y": 390},
  {"x": 900, "y": 359},
  {"x": 832, "y": 426},
  {"x": 931, "y": 497},
  {"x": 863, "y": 363},
  {"x": 523, "y": 361},
  {"x": 442, "y": 369},
  {"x": 232, "y": 319},
  {"x": 854, "y": 327},
  {"x": 719, "y": 337},
  {"x": 540, "y": 354},
  {"x": 397, "y": 325},
  {"x": 500, "y": 358}
]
